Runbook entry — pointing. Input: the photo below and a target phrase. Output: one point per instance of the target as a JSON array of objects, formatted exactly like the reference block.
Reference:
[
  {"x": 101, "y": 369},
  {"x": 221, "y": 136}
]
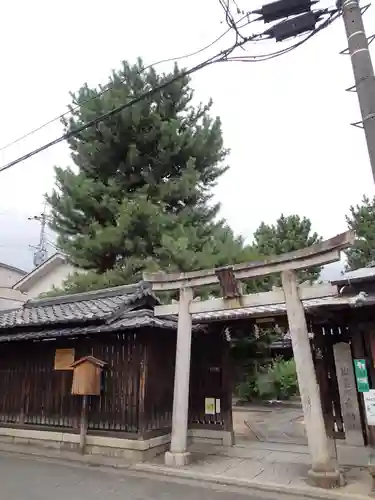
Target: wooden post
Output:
[
  {"x": 178, "y": 455},
  {"x": 142, "y": 389},
  {"x": 359, "y": 352},
  {"x": 228, "y": 391},
  {"x": 324, "y": 471},
  {"x": 83, "y": 425}
]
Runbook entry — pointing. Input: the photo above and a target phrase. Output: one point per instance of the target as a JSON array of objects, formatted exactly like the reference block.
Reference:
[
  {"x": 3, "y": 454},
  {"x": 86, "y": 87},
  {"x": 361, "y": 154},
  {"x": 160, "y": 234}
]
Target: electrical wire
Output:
[
  {"x": 220, "y": 57},
  {"x": 333, "y": 15},
  {"x": 223, "y": 56},
  {"x": 230, "y": 19},
  {"x": 110, "y": 87},
  {"x": 53, "y": 245}
]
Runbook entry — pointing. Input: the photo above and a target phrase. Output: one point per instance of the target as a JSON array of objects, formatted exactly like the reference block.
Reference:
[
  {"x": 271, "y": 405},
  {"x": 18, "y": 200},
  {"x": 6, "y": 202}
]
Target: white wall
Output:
[
  {"x": 56, "y": 277},
  {"x": 8, "y": 277},
  {"x": 10, "y": 299}
]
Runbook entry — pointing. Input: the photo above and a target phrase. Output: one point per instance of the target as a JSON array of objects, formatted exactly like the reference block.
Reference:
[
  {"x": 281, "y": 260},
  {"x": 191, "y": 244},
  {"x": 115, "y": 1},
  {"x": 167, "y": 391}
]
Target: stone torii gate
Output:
[{"x": 324, "y": 470}]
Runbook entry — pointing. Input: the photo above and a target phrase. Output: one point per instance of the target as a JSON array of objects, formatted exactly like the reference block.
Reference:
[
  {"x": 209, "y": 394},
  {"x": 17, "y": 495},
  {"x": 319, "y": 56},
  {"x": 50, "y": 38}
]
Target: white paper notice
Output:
[
  {"x": 209, "y": 406},
  {"x": 218, "y": 406},
  {"x": 369, "y": 398}
]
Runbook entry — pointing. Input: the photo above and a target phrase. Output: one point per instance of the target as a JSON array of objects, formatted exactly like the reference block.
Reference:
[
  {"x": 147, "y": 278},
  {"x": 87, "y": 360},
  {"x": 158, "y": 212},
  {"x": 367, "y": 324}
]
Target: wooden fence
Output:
[
  {"x": 34, "y": 393},
  {"x": 137, "y": 396}
]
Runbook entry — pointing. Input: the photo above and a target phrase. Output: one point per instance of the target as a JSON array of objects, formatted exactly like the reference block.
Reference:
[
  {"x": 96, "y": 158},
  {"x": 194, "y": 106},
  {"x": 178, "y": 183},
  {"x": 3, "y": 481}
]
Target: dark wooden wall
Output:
[
  {"x": 159, "y": 367},
  {"x": 137, "y": 397},
  {"x": 33, "y": 393},
  {"x": 211, "y": 377}
]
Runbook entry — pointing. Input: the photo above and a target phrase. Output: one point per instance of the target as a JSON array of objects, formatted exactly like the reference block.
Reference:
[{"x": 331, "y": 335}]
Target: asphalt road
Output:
[{"x": 28, "y": 478}]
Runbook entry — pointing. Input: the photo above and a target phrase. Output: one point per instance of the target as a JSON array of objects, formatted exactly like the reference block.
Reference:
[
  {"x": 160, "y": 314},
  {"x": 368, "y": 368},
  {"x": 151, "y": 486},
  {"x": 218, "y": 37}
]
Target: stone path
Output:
[
  {"x": 265, "y": 424},
  {"x": 274, "y": 466}
]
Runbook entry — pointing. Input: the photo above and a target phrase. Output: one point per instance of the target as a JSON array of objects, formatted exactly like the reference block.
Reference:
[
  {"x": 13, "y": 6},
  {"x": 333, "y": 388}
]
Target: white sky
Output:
[{"x": 286, "y": 121}]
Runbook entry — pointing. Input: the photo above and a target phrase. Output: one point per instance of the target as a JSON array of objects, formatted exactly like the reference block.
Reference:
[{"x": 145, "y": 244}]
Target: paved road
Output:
[{"x": 28, "y": 478}]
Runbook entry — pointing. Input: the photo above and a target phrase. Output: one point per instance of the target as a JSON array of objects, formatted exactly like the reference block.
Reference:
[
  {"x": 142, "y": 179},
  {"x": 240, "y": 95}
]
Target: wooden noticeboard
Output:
[
  {"x": 87, "y": 376},
  {"x": 64, "y": 358}
]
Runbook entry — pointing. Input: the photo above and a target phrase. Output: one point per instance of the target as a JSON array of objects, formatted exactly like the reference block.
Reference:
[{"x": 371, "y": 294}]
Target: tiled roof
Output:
[
  {"x": 102, "y": 305},
  {"x": 362, "y": 274},
  {"x": 268, "y": 310},
  {"x": 129, "y": 320}
]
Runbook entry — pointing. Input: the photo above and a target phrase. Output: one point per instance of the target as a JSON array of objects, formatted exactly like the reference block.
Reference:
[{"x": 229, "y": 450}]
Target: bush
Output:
[
  {"x": 247, "y": 390},
  {"x": 278, "y": 380}
]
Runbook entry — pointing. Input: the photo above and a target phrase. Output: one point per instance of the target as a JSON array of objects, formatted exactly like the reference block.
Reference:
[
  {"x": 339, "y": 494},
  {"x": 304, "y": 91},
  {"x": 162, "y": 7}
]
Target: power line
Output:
[
  {"x": 110, "y": 87},
  {"x": 333, "y": 15},
  {"x": 220, "y": 57}
]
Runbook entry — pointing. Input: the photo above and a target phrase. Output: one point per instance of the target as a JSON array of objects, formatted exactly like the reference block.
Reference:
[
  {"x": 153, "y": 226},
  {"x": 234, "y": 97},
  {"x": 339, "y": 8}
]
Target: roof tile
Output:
[
  {"x": 129, "y": 320},
  {"x": 76, "y": 308}
]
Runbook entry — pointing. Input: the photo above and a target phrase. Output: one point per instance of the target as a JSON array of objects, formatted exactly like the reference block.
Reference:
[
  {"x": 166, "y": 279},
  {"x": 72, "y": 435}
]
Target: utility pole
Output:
[
  {"x": 40, "y": 253},
  {"x": 358, "y": 49}
]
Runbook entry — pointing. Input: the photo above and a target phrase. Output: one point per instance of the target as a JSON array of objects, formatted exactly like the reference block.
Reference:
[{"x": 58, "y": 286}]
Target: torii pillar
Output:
[
  {"x": 178, "y": 455},
  {"x": 324, "y": 470}
]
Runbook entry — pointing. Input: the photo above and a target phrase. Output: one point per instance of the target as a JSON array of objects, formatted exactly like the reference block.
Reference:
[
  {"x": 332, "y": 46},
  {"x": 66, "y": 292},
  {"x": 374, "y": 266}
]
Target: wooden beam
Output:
[
  {"x": 316, "y": 255},
  {"x": 230, "y": 288},
  {"x": 252, "y": 300}
]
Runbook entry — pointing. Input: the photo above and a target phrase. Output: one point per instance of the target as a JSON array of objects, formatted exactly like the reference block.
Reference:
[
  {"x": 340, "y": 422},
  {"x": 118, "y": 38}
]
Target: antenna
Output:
[{"x": 40, "y": 254}]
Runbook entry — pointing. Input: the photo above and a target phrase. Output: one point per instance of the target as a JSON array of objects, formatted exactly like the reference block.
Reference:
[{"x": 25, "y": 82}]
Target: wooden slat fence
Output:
[{"x": 33, "y": 393}]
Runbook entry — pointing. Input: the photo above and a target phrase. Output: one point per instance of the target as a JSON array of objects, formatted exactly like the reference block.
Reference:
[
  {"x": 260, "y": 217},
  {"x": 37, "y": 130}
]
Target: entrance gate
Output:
[{"x": 324, "y": 471}]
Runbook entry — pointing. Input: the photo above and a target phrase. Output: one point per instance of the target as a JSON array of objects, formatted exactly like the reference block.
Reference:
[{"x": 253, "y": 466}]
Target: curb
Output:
[
  {"x": 297, "y": 491},
  {"x": 251, "y": 486}
]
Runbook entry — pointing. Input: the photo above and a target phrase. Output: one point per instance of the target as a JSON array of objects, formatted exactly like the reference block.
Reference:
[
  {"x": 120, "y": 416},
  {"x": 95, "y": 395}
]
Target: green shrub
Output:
[
  {"x": 278, "y": 380},
  {"x": 247, "y": 390}
]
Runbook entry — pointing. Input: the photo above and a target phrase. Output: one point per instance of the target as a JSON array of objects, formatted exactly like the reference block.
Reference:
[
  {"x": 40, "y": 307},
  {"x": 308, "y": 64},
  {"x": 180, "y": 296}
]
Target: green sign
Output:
[{"x": 361, "y": 375}]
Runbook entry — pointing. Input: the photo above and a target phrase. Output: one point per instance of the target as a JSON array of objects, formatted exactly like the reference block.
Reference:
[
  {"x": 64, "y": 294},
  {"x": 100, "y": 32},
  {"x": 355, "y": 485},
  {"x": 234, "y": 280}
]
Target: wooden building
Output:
[{"x": 41, "y": 343}]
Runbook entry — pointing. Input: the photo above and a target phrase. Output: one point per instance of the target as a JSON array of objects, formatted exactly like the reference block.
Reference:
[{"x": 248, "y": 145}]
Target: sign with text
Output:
[
  {"x": 361, "y": 375},
  {"x": 369, "y": 398},
  {"x": 64, "y": 359},
  {"x": 209, "y": 406}
]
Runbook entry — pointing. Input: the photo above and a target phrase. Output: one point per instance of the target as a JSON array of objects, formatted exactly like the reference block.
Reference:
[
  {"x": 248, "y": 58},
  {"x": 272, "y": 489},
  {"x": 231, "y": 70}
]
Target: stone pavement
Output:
[
  {"x": 276, "y": 423},
  {"x": 270, "y": 467}
]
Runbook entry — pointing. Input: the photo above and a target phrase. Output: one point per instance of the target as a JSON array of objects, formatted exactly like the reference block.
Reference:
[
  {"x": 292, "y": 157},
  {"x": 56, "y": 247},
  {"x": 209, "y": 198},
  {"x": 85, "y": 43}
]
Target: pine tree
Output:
[
  {"x": 139, "y": 196},
  {"x": 288, "y": 234},
  {"x": 361, "y": 219}
]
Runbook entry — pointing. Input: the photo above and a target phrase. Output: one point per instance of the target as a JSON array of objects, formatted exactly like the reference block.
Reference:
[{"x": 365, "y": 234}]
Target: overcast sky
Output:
[{"x": 286, "y": 121}]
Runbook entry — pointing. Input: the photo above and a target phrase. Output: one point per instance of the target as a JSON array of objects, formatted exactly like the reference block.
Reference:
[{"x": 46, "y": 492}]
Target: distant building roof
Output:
[
  {"x": 357, "y": 276},
  {"x": 28, "y": 279},
  {"x": 13, "y": 268}
]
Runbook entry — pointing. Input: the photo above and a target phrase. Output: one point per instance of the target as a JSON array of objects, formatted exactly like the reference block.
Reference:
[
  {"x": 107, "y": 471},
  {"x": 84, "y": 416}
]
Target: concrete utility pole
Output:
[
  {"x": 40, "y": 254},
  {"x": 358, "y": 49}
]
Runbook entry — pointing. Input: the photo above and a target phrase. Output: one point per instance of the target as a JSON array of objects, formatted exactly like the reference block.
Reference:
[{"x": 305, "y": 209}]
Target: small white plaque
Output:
[
  {"x": 369, "y": 398},
  {"x": 218, "y": 406}
]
